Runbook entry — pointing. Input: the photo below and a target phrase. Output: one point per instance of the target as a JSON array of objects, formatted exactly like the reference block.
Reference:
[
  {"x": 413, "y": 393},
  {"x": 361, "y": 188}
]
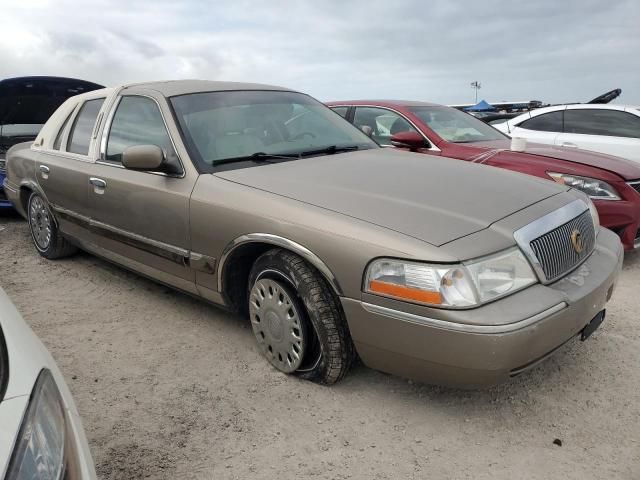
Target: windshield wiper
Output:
[
  {"x": 330, "y": 150},
  {"x": 259, "y": 157}
]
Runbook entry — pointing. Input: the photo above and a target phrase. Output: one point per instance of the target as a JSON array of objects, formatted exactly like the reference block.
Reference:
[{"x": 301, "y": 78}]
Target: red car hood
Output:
[{"x": 625, "y": 168}]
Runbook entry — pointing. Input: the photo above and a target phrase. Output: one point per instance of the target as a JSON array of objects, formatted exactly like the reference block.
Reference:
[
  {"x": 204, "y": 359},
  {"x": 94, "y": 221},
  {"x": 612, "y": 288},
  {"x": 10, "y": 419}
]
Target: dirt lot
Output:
[{"x": 170, "y": 387}]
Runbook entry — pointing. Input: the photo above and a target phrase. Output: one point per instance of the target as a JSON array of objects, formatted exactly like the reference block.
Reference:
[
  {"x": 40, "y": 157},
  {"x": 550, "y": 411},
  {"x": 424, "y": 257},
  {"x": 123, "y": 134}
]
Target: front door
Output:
[{"x": 143, "y": 217}]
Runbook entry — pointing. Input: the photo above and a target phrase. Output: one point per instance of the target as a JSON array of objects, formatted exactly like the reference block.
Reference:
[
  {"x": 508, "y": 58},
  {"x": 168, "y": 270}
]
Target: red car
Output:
[{"x": 613, "y": 183}]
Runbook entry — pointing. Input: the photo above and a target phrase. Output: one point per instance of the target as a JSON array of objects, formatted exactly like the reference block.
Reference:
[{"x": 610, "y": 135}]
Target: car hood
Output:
[
  {"x": 627, "y": 169},
  {"x": 32, "y": 100},
  {"x": 26, "y": 103},
  {"x": 435, "y": 200}
]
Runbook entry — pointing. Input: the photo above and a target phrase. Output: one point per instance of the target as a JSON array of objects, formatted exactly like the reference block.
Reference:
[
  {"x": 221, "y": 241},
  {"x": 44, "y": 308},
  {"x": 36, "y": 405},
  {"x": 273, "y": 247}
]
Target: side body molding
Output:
[{"x": 276, "y": 240}]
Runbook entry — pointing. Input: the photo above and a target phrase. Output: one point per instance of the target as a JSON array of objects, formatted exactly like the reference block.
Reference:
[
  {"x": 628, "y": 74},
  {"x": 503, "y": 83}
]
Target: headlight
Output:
[
  {"x": 39, "y": 450},
  {"x": 451, "y": 286},
  {"x": 593, "y": 187}
]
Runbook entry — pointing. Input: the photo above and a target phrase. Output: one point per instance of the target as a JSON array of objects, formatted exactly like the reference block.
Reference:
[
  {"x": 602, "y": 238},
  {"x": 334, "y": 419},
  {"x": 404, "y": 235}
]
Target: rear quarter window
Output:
[
  {"x": 547, "y": 122},
  {"x": 80, "y": 136}
]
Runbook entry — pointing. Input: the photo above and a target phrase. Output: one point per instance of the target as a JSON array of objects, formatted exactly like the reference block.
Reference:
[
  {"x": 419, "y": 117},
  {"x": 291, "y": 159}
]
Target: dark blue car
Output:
[{"x": 26, "y": 103}]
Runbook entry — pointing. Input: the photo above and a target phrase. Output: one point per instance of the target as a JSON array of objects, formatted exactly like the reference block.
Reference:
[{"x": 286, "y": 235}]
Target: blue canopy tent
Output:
[{"x": 481, "y": 106}]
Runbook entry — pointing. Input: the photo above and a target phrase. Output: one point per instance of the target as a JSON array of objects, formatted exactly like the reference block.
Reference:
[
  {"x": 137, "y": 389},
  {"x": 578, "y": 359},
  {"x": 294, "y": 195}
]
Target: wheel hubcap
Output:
[
  {"x": 40, "y": 222},
  {"x": 277, "y": 325}
]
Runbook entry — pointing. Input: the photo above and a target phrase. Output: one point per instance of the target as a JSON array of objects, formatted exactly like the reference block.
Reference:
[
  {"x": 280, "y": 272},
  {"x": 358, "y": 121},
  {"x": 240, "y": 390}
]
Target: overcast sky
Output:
[{"x": 550, "y": 50}]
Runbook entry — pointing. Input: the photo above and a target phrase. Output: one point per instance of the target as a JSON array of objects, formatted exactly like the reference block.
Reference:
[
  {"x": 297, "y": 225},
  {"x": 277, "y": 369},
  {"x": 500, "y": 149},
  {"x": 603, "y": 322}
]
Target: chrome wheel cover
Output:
[
  {"x": 277, "y": 325},
  {"x": 40, "y": 222}
]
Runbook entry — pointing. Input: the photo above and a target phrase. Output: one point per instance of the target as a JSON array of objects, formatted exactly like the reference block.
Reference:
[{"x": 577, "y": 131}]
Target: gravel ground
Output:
[{"x": 171, "y": 387}]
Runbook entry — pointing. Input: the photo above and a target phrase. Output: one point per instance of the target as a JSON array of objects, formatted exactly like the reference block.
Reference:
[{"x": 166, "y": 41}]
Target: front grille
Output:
[
  {"x": 555, "y": 249},
  {"x": 3, "y": 165},
  {"x": 635, "y": 185}
]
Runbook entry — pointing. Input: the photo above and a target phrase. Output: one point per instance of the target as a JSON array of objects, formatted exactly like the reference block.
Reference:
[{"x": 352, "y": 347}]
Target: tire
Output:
[
  {"x": 289, "y": 284},
  {"x": 44, "y": 230}
]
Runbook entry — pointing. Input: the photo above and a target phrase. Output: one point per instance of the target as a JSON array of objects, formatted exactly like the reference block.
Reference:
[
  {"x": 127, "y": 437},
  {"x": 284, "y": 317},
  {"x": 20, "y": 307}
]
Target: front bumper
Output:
[
  {"x": 10, "y": 197},
  {"x": 489, "y": 344},
  {"x": 622, "y": 216},
  {"x": 4, "y": 201}
]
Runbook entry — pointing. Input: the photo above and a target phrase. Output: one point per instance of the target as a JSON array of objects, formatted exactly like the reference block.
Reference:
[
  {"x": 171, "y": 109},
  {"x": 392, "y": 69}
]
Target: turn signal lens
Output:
[{"x": 421, "y": 283}]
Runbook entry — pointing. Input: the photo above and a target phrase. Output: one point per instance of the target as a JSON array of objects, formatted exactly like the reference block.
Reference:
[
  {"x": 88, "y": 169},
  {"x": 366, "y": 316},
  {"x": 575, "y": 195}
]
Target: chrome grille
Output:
[
  {"x": 635, "y": 185},
  {"x": 3, "y": 165},
  {"x": 555, "y": 250}
]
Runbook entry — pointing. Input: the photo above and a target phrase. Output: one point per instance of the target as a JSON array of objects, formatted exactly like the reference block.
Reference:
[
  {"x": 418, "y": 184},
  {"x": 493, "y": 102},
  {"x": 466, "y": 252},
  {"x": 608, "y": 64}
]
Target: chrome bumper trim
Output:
[{"x": 462, "y": 327}]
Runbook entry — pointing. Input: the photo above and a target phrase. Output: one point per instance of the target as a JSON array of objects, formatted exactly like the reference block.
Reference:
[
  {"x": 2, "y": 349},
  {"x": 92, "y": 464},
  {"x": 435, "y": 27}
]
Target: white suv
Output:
[{"x": 612, "y": 129}]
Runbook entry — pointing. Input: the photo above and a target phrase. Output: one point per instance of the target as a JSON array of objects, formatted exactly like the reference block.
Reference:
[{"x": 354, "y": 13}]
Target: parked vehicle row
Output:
[
  {"x": 610, "y": 129},
  {"x": 253, "y": 197},
  {"x": 611, "y": 182}
]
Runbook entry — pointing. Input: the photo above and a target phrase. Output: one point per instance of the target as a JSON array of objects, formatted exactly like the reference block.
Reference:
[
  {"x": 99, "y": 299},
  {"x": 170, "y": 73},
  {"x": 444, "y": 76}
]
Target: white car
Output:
[
  {"x": 41, "y": 435},
  {"x": 612, "y": 129}
]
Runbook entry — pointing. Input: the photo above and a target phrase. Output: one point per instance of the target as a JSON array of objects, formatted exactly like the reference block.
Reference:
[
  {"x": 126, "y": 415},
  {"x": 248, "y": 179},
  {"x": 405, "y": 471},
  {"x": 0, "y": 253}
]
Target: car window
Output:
[
  {"x": 224, "y": 128},
  {"x": 138, "y": 121},
  {"x": 455, "y": 126},
  {"x": 602, "y": 122},
  {"x": 547, "y": 122},
  {"x": 58, "y": 142},
  {"x": 80, "y": 137},
  {"x": 383, "y": 123},
  {"x": 342, "y": 111}
]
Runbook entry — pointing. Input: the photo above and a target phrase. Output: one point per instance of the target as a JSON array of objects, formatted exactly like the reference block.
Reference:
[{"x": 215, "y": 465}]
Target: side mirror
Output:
[
  {"x": 143, "y": 157},
  {"x": 367, "y": 130},
  {"x": 410, "y": 140}
]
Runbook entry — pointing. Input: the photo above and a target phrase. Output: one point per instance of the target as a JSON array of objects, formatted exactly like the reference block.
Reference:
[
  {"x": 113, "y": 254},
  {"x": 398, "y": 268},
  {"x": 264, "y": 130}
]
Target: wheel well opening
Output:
[
  {"x": 25, "y": 192},
  {"x": 235, "y": 275},
  {"x": 236, "y": 269}
]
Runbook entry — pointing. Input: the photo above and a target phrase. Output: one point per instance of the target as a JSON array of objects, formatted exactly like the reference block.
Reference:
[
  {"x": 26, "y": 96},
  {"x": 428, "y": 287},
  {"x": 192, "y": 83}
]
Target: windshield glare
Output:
[
  {"x": 235, "y": 124},
  {"x": 455, "y": 126}
]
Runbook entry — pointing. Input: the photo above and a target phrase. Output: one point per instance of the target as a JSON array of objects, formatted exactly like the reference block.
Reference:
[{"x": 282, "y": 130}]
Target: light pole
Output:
[{"x": 477, "y": 86}]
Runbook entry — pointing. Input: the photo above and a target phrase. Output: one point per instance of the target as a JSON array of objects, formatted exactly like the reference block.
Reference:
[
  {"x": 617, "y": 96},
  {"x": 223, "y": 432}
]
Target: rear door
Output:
[
  {"x": 543, "y": 128},
  {"x": 143, "y": 217},
  {"x": 615, "y": 132},
  {"x": 63, "y": 167}
]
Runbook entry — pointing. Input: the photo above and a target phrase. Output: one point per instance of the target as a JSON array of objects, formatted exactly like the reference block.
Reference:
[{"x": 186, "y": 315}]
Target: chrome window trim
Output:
[
  {"x": 102, "y": 158},
  {"x": 433, "y": 146},
  {"x": 545, "y": 224},
  {"x": 463, "y": 327},
  {"x": 281, "y": 242}
]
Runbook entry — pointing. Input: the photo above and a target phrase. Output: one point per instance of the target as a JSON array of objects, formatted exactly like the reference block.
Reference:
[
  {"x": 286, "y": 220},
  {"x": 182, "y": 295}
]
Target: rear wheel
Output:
[
  {"x": 297, "y": 320},
  {"x": 44, "y": 231}
]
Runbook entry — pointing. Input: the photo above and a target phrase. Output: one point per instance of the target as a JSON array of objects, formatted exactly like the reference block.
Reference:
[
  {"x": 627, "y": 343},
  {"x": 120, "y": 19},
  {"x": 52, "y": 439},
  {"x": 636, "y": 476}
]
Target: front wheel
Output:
[
  {"x": 297, "y": 320},
  {"x": 44, "y": 231}
]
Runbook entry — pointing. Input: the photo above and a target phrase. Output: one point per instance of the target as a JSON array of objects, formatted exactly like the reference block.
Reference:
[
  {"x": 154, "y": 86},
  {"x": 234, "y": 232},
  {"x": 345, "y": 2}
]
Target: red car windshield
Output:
[{"x": 455, "y": 126}]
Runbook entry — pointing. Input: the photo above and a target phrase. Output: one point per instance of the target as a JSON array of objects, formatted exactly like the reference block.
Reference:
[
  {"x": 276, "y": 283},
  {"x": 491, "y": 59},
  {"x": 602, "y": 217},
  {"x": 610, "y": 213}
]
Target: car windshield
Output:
[
  {"x": 220, "y": 127},
  {"x": 455, "y": 126}
]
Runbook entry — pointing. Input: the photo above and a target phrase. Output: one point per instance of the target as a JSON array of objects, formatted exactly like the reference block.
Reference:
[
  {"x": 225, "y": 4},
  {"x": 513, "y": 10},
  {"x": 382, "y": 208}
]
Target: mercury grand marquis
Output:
[{"x": 262, "y": 200}]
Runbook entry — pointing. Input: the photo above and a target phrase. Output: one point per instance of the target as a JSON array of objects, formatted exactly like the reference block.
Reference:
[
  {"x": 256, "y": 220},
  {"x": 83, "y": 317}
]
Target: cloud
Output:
[{"x": 548, "y": 50}]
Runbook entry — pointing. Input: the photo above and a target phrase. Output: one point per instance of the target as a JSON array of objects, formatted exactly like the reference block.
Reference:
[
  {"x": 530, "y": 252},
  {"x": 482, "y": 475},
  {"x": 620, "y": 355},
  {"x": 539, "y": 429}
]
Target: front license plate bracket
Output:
[{"x": 593, "y": 325}]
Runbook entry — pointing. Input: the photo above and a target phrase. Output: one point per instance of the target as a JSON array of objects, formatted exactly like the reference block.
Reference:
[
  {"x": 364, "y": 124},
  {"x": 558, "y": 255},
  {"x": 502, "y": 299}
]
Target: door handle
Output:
[
  {"x": 569, "y": 144},
  {"x": 44, "y": 171},
  {"x": 98, "y": 185},
  {"x": 98, "y": 182}
]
